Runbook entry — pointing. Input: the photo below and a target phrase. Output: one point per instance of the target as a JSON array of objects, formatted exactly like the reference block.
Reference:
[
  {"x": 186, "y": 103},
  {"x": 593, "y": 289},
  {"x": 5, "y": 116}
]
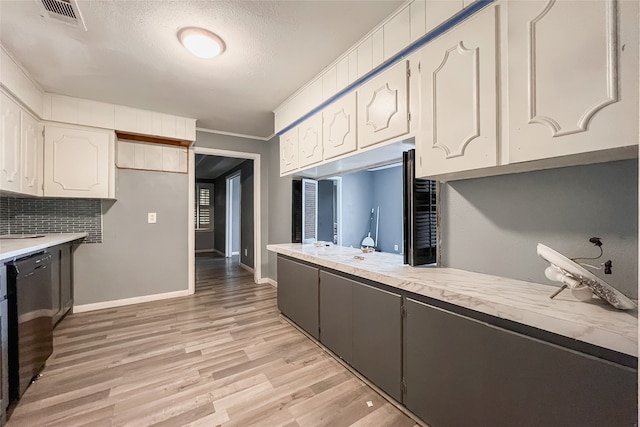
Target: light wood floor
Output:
[{"x": 223, "y": 356}]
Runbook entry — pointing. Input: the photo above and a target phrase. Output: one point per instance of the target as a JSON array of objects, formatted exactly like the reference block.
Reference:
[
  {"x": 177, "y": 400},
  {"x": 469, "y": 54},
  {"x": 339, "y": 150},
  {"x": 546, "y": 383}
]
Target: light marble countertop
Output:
[
  {"x": 595, "y": 322},
  {"x": 15, "y": 248}
]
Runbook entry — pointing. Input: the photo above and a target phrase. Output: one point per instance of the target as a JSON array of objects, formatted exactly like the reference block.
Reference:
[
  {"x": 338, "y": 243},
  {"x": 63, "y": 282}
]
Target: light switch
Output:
[{"x": 151, "y": 217}]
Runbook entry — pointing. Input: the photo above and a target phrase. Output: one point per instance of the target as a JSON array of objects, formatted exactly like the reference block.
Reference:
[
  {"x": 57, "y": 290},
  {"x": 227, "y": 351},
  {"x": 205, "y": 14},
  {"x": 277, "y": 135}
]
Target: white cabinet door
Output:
[
  {"x": 339, "y": 127},
  {"x": 459, "y": 93},
  {"x": 573, "y": 77},
  {"x": 9, "y": 144},
  {"x": 289, "y": 151},
  {"x": 310, "y": 141},
  {"x": 383, "y": 106},
  {"x": 32, "y": 156},
  {"x": 77, "y": 162}
]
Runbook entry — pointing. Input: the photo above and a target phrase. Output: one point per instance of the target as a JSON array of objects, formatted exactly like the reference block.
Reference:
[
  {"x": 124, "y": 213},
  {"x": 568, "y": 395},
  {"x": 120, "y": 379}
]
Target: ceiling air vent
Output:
[{"x": 65, "y": 11}]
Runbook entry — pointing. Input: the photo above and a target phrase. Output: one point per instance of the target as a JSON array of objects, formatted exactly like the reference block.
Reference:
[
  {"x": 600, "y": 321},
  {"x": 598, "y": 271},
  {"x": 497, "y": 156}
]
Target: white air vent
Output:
[{"x": 65, "y": 11}]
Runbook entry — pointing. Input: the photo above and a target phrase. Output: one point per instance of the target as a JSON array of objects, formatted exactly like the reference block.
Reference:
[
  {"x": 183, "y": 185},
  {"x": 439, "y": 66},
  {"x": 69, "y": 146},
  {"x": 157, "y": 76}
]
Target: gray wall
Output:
[
  {"x": 246, "y": 240},
  {"x": 279, "y": 227},
  {"x": 492, "y": 225},
  {"x": 357, "y": 202},
  {"x": 235, "y": 215},
  {"x": 136, "y": 258},
  {"x": 247, "y": 145},
  {"x": 325, "y": 210},
  {"x": 387, "y": 194}
]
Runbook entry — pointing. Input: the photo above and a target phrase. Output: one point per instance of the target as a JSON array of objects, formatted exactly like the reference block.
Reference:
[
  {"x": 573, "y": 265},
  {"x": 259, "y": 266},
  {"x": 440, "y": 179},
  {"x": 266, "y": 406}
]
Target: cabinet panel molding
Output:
[
  {"x": 32, "y": 155},
  {"x": 289, "y": 151},
  {"x": 10, "y": 144},
  {"x": 310, "y": 141},
  {"x": 553, "y": 64},
  {"x": 339, "y": 128}
]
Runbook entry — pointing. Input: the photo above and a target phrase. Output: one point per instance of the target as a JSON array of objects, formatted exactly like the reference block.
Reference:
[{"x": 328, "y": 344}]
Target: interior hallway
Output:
[{"x": 223, "y": 356}]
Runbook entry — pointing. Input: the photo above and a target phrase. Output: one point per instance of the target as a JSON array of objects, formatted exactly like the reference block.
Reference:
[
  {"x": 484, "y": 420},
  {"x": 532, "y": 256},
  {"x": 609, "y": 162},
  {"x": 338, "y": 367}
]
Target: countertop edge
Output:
[{"x": 37, "y": 244}]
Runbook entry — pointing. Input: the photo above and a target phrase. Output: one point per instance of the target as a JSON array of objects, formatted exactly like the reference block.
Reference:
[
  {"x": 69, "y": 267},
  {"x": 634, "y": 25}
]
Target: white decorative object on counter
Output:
[{"x": 580, "y": 281}]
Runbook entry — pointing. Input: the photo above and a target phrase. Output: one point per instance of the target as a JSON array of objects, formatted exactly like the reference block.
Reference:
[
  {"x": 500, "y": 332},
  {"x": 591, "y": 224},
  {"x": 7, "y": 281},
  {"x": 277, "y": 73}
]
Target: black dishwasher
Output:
[{"x": 30, "y": 320}]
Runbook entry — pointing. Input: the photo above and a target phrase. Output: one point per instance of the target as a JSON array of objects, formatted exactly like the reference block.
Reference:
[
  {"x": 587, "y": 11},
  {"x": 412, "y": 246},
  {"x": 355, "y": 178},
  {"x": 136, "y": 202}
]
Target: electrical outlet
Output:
[
  {"x": 395, "y": 248},
  {"x": 245, "y": 251},
  {"x": 151, "y": 218}
]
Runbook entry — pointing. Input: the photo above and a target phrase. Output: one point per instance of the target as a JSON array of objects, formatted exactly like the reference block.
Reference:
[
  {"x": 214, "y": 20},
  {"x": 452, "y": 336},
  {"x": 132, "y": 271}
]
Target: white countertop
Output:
[
  {"x": 595, "y": 322},
  {"x": 15, "y": 248}
]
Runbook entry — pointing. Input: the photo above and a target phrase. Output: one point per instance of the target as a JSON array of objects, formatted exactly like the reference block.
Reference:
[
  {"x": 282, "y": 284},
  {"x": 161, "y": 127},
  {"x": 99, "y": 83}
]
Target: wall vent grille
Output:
[{"x": 65, "y": 11}]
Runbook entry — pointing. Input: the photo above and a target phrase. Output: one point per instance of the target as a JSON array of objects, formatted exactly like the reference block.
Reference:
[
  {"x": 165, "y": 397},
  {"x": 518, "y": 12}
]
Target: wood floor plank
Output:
[{"x": 221, "y": 357}]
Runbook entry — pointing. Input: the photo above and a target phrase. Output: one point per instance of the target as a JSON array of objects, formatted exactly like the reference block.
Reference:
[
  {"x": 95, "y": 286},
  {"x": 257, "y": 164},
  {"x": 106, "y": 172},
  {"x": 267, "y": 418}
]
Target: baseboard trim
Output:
[
  {"x": 128, "y": 301},
  {"x": 235, "y": 253},
  {"x": 268, "y": 281},
  {"x": 203, "y": 251},
  {"x": 245, "y": 267}
]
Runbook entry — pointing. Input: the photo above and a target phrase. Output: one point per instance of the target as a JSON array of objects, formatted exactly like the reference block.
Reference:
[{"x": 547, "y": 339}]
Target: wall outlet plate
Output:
[{"x": 151, "y": 218}]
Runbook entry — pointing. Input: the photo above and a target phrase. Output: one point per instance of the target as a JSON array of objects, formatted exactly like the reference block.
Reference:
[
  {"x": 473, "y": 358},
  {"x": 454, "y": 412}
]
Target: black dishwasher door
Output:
[{"x": 30, "y": 320}]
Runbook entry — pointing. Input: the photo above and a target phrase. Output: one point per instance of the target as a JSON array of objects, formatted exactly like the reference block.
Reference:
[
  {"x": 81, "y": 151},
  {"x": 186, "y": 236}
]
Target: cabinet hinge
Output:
[
  {"x": 43, "y": 132},
  {"x": 419, "y": 66},
  {"x": 408, "y": 72}
]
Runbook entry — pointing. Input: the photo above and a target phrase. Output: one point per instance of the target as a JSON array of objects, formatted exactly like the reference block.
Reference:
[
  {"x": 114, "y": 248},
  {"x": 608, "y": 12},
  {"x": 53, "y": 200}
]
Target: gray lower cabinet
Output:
[
  {"x": 298, "y": 294},
  {"x": 61, "y": 280},
  {"x": 363, "y": 326},
  {"x": 336, "y": 313},
  {"x": 462, "y": 372}
]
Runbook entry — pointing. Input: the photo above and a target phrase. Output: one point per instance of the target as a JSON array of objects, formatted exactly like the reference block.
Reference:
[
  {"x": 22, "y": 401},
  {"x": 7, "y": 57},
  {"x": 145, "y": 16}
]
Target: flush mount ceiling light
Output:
[{"x": 200, "y": 42}]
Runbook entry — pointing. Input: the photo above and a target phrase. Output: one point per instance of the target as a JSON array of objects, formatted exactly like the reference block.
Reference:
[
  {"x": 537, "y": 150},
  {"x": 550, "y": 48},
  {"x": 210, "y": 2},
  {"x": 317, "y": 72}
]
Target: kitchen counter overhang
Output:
[
  {"x": 595, "y": 322},
  {"x": 11, "y": 249}
]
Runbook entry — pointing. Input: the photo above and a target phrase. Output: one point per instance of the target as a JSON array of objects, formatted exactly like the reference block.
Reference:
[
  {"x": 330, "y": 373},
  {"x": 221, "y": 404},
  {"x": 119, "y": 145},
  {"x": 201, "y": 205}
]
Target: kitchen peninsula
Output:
[{"x": 434, "y": 338}]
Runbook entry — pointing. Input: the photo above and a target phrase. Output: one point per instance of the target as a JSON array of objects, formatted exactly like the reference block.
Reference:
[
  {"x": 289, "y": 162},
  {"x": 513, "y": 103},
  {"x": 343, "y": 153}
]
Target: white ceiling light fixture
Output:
[{"x": 200, "y": 42}]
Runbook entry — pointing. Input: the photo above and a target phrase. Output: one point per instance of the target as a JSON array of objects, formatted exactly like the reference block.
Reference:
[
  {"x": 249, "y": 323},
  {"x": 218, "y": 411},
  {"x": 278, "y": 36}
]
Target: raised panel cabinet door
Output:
[
  {"x": 76, "y": 162},
  {"x": 336, "y": 306},
  {"x": 443, "y": 365},
  {"x": 339, "y": 127},
  {"x": 571, "y": 92},
  {"x": 32, "y": 155},
  {"x": 298, "y": 294},
  {"x": 310, "y": 141},
  {"x": 289, "y": 151},
  {"x": 459, "y": 98},
  {"x": 383, "y": 106},
  {"x": 377, "y": 337},
  {"x": 10, "y": 163}
]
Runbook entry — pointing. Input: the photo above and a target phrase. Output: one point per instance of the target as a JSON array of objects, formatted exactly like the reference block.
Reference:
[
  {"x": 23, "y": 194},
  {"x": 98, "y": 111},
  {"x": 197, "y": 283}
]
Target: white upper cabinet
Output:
[
  {"x": 573, "y": 77},
  {"x": 20, "y": 150},
  {"x": 383, "y": 106},
  {"x": 310, "y": 141},
  {"x": 459, "y": 98},
  {"x": 339, "y": 127},
  {"x": 10, "y": 145},
  {"x": 439, "y": 11},
  {"x": 32, "y": 153},
  {"x": 78, "y": 162},
  {"x": 289, "y": 151}
]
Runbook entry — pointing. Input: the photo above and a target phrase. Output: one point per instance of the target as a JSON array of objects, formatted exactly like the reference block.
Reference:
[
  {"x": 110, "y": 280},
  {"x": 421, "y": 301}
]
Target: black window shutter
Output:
[{"x": 296, "y": 211}]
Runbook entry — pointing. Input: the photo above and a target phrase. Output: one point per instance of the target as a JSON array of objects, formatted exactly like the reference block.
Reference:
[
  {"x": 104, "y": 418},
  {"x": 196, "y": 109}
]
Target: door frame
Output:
[
  {"x": 257, "y": 211},
  {"x": 228, "y": 234}
]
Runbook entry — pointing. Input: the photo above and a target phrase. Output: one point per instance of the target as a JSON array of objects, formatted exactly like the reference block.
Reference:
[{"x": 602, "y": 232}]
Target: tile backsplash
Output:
[{"x": 27, "y": 215}]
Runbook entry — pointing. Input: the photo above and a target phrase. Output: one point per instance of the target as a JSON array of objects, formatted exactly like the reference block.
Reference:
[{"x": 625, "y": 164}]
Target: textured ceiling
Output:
[{"x": 130, "y": 54}]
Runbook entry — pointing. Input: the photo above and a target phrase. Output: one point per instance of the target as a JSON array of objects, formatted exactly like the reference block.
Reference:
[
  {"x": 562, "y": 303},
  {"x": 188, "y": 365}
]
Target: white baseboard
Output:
[
  {"x": 235, "y": 253},
  {"x": 268, "y": 281},
  {"x": 202, "y": 251},
  {"x": 245, "y": 267},
  {"x": 128, "y": 301}
]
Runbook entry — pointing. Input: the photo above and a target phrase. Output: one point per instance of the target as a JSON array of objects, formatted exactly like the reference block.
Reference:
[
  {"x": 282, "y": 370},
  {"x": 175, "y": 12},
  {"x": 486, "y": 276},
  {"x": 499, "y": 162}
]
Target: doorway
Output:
[{"x": 233, "y": 222}]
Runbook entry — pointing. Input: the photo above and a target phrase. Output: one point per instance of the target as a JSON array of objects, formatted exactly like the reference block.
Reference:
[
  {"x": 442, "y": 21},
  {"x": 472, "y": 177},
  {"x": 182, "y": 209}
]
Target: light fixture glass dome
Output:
[{"x": 200, "y": 42}]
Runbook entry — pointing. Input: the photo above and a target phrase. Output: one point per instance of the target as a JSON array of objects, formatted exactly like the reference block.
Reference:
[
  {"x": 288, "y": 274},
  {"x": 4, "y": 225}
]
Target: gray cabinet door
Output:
[
  {"x": 66, "y": 278},
  {"x": 462, "y": 372},
  {"x": 443, "y": 366},
  {"x": 56, "y": 305},
  {"x": 377, "y": 337},
  {"x": 298, "y": 294},
  {"x": 336, "y": 326}
]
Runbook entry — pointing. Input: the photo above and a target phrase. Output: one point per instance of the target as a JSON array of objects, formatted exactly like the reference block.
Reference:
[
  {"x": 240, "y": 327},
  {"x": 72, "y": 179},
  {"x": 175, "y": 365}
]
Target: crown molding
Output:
[{"x": 238, "y": 135}]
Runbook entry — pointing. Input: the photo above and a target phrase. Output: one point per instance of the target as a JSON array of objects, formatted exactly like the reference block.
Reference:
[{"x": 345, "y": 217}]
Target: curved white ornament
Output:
[
  {"x": 288, "y": 152},
  {"x": 474, "y": 100},
  {"x": 310, "y": 142},
  {"x": 339, "y": 128},
  {"x": 609, "y": 81},
  {"x": 382, "y": 107}
]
